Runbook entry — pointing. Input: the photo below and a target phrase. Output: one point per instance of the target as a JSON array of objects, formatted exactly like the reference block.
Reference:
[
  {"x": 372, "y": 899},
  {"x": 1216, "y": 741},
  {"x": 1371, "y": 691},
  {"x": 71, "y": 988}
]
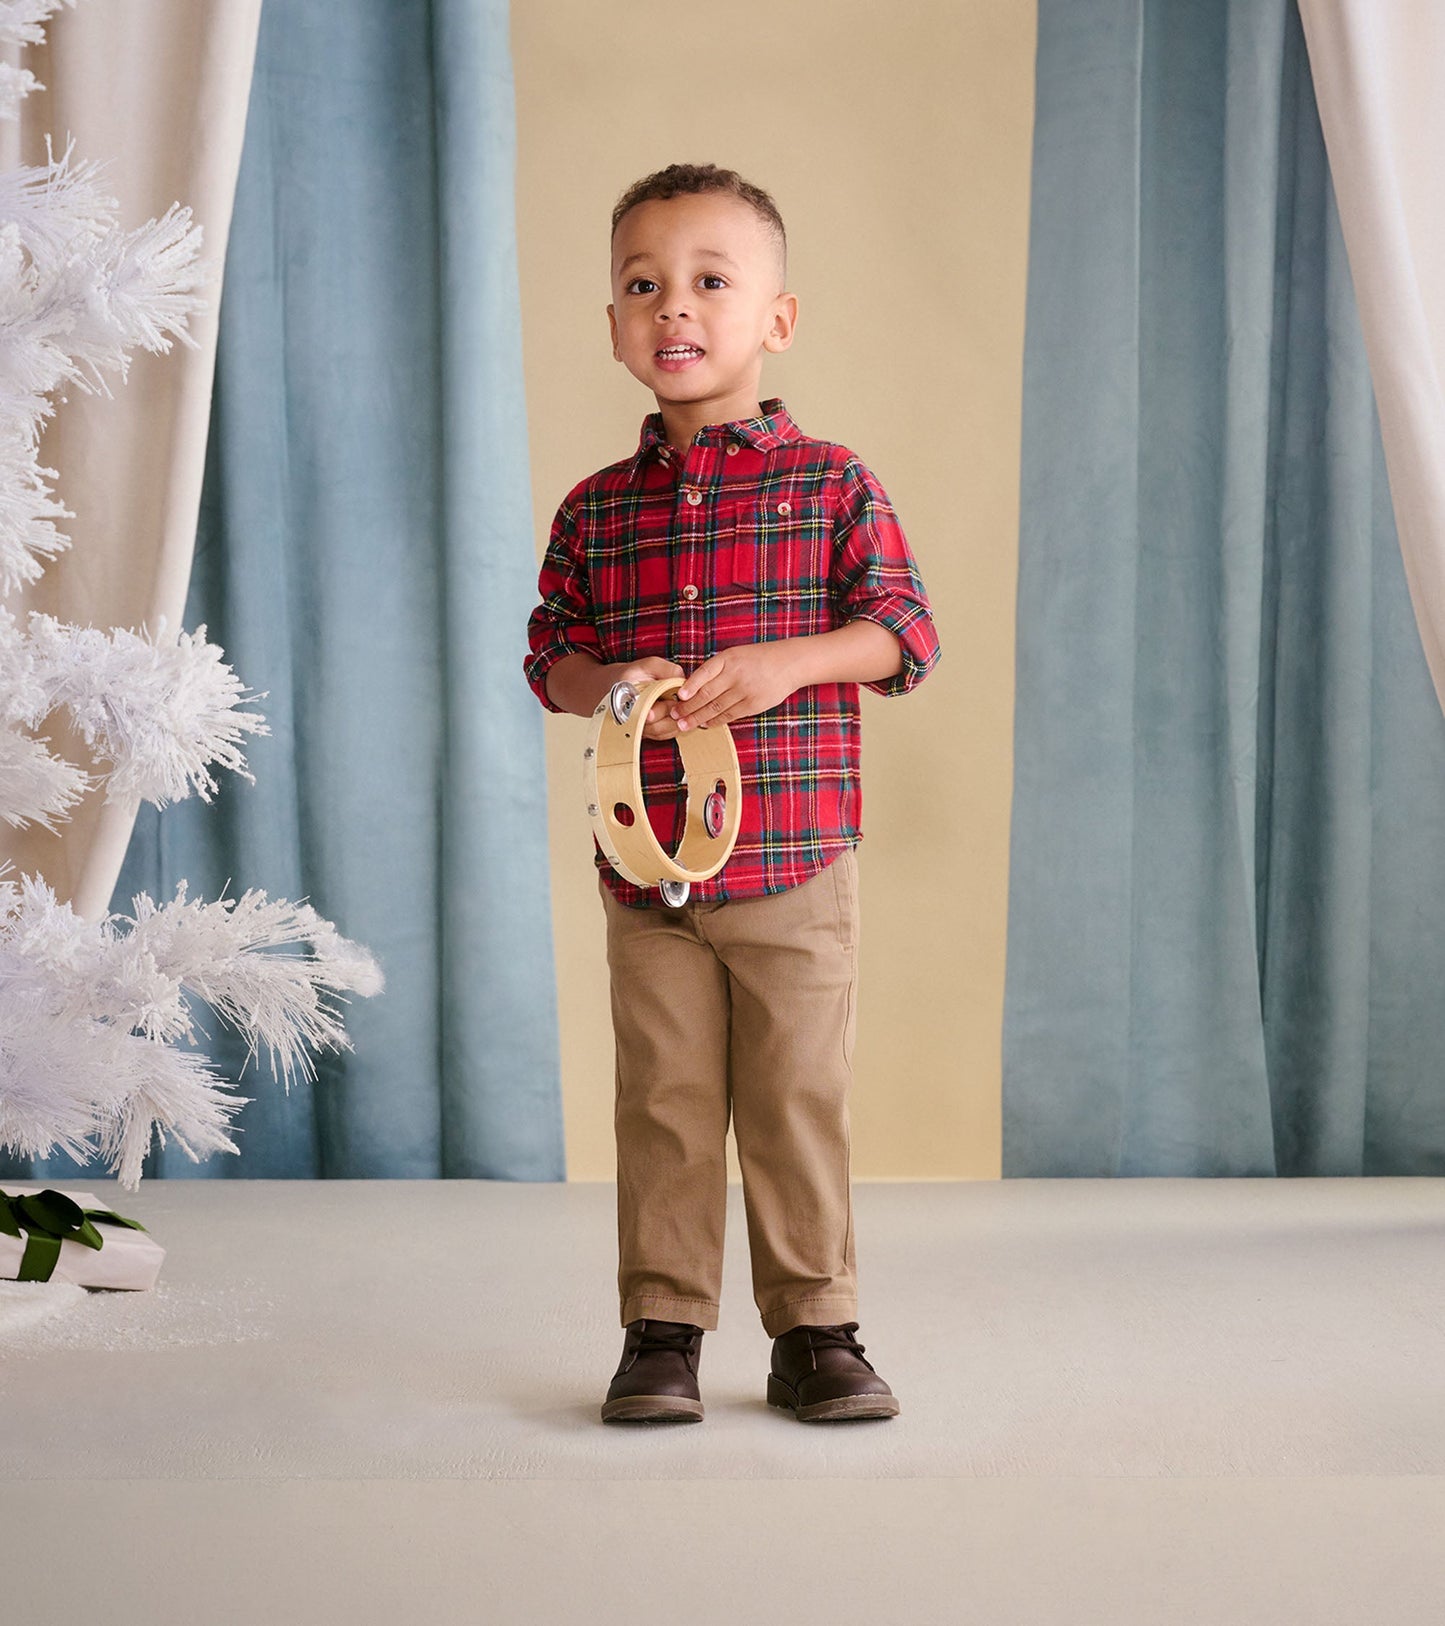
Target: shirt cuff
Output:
[
  {"x": 913, "y": 627},
  {"x": 541, "y": 661}
]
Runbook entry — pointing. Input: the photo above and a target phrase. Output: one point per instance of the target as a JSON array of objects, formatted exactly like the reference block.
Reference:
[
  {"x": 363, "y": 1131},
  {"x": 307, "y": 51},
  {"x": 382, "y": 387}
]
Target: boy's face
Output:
[{"x": 697, "y": 300}]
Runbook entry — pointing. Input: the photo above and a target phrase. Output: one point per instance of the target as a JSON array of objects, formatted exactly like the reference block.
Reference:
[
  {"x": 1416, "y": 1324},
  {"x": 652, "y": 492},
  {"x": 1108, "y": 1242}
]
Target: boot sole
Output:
[
  {"x": 652, "y": 1409},
  {"x": 843, "y": 1409}
]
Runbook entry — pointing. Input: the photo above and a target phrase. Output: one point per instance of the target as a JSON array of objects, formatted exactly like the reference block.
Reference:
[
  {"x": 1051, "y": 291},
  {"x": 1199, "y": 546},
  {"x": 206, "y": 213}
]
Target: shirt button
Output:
[
  {"x": 689, "y": 592},
  {"x": 694, "y": 497},
  {"x": 785, "y": 508},
  {"x": 732, "y": 448}
]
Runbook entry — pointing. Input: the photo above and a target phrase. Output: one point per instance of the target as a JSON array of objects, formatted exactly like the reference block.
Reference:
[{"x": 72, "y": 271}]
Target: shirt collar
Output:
[{"x": 773, "y": 427}]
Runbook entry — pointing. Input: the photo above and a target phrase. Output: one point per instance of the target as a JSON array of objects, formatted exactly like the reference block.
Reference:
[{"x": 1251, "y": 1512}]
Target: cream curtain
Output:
[
  {"x": 1379, "y": 75},
  {"x": 158, "y": 88}
]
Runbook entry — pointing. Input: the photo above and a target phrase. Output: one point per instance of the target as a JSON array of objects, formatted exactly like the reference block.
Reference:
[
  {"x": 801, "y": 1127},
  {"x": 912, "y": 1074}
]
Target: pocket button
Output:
[{"x": 785, "y": 508}]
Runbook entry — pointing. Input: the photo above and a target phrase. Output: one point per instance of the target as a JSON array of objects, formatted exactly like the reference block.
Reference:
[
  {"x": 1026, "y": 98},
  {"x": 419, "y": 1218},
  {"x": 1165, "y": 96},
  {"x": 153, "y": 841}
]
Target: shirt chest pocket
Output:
[{"x": 774, "y": 549}]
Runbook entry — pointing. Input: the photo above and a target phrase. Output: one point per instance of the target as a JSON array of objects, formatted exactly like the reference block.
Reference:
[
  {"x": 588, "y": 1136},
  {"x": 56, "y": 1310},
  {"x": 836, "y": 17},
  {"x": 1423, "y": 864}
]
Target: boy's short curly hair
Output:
[{"x": 683, "y": 180}]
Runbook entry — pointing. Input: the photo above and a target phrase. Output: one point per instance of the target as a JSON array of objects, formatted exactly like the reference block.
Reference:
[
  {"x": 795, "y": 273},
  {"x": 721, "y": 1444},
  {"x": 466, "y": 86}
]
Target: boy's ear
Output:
[
  {"x": 612, "y": 324},
  {"x": 785, "y": 320}
]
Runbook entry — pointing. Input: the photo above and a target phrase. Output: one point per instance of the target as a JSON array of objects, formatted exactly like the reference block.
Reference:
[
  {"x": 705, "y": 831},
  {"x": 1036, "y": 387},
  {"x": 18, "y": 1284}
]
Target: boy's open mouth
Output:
[{"x": 678, "y": 355}]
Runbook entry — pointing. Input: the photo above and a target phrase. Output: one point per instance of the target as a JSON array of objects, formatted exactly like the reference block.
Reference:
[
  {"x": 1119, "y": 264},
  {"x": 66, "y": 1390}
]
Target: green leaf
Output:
[
  {"x": 53, "y": 1211},
  {"x": 108, "y": 1216}
]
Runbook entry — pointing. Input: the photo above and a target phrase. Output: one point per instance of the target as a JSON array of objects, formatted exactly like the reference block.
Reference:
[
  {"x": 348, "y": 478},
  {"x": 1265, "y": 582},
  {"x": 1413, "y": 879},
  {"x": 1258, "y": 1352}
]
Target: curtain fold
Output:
[
  {"x": 365, "y": 556},
  {"x": 1379, "y": 68},
  {"x": 157, "y": 90},
  {"x": 1228, "y": 760}
]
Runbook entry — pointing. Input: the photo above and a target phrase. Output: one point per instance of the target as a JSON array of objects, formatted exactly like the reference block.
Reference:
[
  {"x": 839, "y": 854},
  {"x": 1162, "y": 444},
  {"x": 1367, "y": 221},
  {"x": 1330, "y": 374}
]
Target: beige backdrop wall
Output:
[
  {"x": 157, "y": 90},
  {"x": 896, "y": 141}
]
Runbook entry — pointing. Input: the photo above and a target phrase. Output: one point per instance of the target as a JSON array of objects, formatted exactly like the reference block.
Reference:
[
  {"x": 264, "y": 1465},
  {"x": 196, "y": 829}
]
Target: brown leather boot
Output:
[
  {"x": 657, "y": 1379},
  {"x": 819, "y": 1374}
]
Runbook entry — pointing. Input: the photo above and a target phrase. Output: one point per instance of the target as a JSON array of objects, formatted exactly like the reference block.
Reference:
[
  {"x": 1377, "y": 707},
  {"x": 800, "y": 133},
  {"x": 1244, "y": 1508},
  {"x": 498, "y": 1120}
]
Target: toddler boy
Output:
[{"x": 770, "y": 571}]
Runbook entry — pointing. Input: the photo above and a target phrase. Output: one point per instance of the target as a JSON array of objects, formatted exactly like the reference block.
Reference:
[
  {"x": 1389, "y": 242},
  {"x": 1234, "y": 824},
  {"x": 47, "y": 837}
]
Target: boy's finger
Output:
[
  {"x": 707, "y": 711},
  {"x": 696, "y": 709},
  {"x": 703, "y": 675},
  {"x": 700, "y": 693}
]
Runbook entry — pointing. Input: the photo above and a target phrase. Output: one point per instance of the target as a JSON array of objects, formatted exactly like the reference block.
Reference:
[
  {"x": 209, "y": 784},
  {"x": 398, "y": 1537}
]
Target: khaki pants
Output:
[{"x": 746, "y": 1009}]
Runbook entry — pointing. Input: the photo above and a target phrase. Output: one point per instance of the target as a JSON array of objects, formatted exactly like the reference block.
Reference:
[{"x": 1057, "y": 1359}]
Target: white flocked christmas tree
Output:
[{"x": 94, "y": 1014}]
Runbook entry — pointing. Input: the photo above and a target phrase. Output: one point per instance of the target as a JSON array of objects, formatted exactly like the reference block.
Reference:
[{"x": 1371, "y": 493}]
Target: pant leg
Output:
[
  {"x": 670, "y": 1024},
  {"x": 792, "y": 961}
]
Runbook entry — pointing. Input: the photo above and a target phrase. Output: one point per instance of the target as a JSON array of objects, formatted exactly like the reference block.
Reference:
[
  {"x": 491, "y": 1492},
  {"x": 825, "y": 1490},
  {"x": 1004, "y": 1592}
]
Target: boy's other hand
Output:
[
  {"x": 738, "y": 682},
  {"x": 659, "y": 725}
]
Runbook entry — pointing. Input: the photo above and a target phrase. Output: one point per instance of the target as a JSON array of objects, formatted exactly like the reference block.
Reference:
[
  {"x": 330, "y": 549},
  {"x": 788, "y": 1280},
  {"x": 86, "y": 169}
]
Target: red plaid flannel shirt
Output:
[{"x": 755, "y": 532}]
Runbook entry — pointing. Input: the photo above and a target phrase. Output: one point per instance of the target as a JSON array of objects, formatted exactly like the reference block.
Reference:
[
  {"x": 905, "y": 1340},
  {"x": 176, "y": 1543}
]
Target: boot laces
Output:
[
  {"x": 649, "y": 1339},
  {"x": 836, "y": 1338}
]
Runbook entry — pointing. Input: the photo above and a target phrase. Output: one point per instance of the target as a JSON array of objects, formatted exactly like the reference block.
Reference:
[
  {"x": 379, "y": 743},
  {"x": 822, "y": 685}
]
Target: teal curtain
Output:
[
  {"x": 1226, "y": 940},
  {"x": 365, "y": 555}
]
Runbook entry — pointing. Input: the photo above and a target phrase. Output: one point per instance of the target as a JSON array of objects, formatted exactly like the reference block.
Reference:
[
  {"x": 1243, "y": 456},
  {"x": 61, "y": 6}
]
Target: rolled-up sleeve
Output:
[
  {"x": 876, "y": 578},
  {"x": 562, "y": 623}
]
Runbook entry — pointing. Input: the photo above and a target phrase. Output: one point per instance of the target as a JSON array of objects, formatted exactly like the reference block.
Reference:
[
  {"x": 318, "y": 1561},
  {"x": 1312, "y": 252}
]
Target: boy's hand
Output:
[
  {"x": 659, "y": 725},
  {"x": 734, "y": 683}
]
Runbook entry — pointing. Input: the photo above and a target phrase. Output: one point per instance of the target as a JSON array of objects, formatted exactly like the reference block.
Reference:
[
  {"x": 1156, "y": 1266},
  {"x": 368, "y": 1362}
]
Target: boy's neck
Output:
[{"x": 682, "y": 420}]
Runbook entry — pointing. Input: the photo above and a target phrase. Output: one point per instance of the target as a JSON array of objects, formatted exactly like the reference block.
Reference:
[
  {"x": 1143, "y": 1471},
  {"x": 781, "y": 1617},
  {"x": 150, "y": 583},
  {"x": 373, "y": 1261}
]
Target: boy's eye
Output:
[
  {"x": 641, "y": 285},
  {"x": 712, "y": 281}
]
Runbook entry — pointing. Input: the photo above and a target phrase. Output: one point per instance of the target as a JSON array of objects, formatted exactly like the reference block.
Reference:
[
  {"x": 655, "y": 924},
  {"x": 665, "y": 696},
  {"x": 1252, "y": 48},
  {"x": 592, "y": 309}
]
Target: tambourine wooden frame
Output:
[{"x": 612, "y": 775}]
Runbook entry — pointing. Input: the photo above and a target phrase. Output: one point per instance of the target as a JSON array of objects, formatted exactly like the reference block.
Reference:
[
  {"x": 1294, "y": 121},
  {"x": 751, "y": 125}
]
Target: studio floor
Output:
[{"x": 1126, "y": 1401}]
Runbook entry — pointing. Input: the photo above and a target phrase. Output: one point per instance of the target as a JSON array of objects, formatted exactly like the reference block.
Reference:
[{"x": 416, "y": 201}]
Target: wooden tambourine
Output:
[{"x": 612, "y": 779}]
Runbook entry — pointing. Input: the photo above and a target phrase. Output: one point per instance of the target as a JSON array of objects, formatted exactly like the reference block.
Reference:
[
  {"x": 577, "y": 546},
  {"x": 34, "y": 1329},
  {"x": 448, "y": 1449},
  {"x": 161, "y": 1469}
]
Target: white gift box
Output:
[{"x": 129, "y": 1259}]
